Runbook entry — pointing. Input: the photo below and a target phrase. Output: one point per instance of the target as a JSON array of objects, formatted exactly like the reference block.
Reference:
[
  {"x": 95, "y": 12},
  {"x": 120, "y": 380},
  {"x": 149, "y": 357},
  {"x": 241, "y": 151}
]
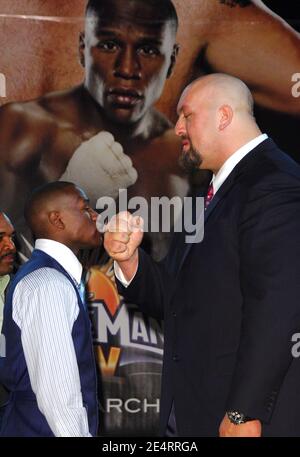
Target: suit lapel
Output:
[
  {"x": 218, "y": 197},
  {"x": 183, "y": 248},
  {"x": 250, "y": 159}
]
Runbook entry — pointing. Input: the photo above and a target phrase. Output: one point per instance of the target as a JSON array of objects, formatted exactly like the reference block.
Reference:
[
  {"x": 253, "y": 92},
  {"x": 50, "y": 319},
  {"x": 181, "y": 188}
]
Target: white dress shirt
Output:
[
  {"x": 233, "y": 160},
  {"x": 45, "y": 307},
  {"x": 217, "y": 181}
]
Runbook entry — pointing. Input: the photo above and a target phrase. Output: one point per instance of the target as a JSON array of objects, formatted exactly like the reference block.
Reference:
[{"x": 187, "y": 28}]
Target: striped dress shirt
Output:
[{"x": 45, "y": 307}]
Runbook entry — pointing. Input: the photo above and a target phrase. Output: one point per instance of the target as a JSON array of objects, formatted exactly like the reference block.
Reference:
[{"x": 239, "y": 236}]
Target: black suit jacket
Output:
[
  {"x": 3, "y": 396},
  {"x": 232, "y": 303}
]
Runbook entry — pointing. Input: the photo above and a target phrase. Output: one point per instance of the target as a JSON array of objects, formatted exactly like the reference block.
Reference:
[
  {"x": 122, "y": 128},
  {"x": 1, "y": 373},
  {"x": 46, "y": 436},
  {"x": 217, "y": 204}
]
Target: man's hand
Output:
[
  {"x": 100, "y": 167},
  {"x": 250, "y": 429},
  {"x": 123, "y": 235}
]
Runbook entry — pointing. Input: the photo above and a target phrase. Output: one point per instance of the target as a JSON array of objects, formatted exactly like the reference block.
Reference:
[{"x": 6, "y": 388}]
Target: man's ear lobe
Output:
[
  {"x": 82, "y": 48},
  {"x": 173, "y": 59},
  {"x": 225, "y": 116},
  {"x": 55, "y": 220}
]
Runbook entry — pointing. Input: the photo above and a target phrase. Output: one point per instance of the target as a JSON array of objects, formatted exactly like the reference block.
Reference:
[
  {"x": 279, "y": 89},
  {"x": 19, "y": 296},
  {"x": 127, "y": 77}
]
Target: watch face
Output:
[{"x": 236, "y": 418}]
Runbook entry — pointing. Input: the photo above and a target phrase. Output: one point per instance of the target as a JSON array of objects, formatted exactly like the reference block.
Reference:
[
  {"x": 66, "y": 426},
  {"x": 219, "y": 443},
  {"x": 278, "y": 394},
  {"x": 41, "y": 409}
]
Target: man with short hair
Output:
[
  {"x": 49, "y": 368},
  {"x": 230, "y": 302},
  {"x": 7, "y": 257}
]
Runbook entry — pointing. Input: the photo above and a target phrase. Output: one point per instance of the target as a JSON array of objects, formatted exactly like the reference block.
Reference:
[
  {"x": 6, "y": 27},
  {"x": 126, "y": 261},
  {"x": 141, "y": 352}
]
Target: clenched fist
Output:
[
  {"x": 100, "y": 167},
  {"x": 123, "y": 235}
]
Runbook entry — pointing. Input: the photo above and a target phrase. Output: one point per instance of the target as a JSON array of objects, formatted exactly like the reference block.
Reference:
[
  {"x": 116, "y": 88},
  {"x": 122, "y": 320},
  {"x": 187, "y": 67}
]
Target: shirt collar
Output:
[
  {"x": 4, "y": 280},
  {"x": 63, "y": 255},
  {"x": 234, "y": 159}
]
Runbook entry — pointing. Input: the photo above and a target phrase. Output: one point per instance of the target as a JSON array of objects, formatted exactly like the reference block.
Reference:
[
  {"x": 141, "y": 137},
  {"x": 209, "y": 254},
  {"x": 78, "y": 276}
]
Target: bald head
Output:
[
  {"x": 220, "y": 89},
  {"x": 215, "y": 120}
]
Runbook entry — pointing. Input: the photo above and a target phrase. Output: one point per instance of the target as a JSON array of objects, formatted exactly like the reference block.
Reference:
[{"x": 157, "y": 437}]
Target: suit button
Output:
[
  {"x": 175, "y": 358},
  {"x": 174, "y": 314}
]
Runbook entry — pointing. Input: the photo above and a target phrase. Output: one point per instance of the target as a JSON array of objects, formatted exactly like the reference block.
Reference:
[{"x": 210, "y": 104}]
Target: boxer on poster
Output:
[{"x": 127, "y": 57}]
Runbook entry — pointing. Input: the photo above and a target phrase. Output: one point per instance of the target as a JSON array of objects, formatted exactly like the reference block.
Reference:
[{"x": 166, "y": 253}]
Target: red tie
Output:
[{"x": 209, "y": 195}]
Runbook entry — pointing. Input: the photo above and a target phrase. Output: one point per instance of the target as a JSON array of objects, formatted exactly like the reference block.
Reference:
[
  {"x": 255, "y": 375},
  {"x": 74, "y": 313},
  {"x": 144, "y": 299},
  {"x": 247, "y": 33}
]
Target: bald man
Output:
[
  {"x": 49, "y": 366},
  {"x": 231, "y": 301}
]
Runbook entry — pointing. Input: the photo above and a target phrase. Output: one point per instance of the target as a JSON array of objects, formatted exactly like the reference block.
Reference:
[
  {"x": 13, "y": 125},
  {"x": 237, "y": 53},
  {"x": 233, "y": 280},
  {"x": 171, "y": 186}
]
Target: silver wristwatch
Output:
[{"x": 237, "y": 418}]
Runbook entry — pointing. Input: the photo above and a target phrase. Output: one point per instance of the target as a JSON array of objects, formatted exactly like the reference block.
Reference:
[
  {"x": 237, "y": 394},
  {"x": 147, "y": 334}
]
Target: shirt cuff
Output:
[{"x": 120, "y": 276}]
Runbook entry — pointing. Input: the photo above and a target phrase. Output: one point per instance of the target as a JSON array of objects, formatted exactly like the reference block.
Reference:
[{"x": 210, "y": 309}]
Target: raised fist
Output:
[
  {"x": 123, "y": 235},
  {"x": 100, "y": 167}
]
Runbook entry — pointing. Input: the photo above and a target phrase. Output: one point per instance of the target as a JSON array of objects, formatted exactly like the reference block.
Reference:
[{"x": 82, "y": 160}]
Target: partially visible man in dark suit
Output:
[
  {"x": 7, "y": 257},
  {"x": 231, "y": 302}
]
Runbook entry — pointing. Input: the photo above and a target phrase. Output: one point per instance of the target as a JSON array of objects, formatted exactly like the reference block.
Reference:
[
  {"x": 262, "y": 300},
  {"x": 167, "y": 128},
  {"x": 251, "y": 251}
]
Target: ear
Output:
[
  {"x": 82, "y": 48},
  {"x": 173, "y": 59},
  {"x": 225, "y": 116},
  {"x": 55, "y": 220}
]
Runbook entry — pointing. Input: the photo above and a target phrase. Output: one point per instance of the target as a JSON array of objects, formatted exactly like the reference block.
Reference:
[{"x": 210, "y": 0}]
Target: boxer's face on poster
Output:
[{"x": 127, "y": 59}]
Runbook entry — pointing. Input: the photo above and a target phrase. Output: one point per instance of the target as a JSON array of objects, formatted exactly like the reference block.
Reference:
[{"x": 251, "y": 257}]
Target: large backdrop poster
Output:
[{"x": 90, "y": 96}]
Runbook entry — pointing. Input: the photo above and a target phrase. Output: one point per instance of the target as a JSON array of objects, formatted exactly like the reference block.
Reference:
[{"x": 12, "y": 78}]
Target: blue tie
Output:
[{"x": 81, "y": 290}]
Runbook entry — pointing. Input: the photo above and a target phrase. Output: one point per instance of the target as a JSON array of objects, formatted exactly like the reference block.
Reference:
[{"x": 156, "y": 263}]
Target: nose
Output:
[
  {"x": 180, "y": 129},
  {"x": 93, "y": 215},
  {"x": 8, "y": 244},
  {"x": 128, "y": 64}
]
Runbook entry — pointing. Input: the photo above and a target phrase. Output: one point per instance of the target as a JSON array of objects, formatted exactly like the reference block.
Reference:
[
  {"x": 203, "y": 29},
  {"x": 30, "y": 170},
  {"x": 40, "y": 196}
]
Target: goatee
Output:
[{"x": 190, "y": 160}]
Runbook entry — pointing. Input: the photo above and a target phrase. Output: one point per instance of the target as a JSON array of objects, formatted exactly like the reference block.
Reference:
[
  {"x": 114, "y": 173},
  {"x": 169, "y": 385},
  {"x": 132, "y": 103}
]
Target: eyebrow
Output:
[
  {"x": 179, "y": 111},
  {"x": 5, "y": 233},
  {"x": 151, "y": 40},
  {"x": 111, "y": 34},
  {"x": 183, "y": 108},
  {"x": 105, "y": 32}
]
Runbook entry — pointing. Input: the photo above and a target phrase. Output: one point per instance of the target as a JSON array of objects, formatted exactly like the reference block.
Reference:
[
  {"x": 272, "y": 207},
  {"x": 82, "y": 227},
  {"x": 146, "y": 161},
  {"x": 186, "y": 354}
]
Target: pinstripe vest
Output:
[{"x": 22, "y": 416}]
